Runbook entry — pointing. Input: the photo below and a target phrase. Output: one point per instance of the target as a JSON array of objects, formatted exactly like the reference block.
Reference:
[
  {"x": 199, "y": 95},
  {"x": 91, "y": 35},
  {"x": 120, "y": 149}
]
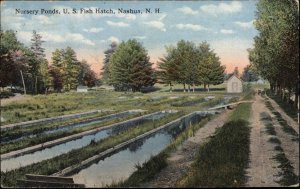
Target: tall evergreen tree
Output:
[
  {"x": 211, "y": 72},
  {"x": 72, "y": 68},
  {"x": 108, "y": 53},
  {"x": 167, "y": 71},
  {"x": 38, "y": 63},
  {"x": 128, "y": 62},
  {"x": 57, "y": 70}
]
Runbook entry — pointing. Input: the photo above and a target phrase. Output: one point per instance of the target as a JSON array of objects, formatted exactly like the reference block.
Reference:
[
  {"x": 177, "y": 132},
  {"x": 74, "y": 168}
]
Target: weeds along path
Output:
[
  {"x": 289, "y": 120},
  {"x": 180, "y": 160},
  {"x": 289, "y": 145},
  {"x": 262, "y": 168}
]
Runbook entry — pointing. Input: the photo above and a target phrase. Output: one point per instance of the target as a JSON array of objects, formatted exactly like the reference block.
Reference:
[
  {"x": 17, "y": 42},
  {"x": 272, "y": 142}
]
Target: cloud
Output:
[
  {"x": 187, "y": 10},
  {"x": 52, "y": 37},
  {"x": 245, "y": 25},
  {"x": 113, "y": 39},
  {"x": 193, "y": 27},
  {"x": 79, "y": 38},
  {"x": 156, "y": 24},
  {"x": 222, "y": 8},
  {"x": 42, "y": 19},
  {"x": 24, "y": 36},
  {"x": 117, "y": 24},
  {"x": 224, "y": 31},
  {"x": 139, "y": 37},
  {"x": 93, "y": 30}
]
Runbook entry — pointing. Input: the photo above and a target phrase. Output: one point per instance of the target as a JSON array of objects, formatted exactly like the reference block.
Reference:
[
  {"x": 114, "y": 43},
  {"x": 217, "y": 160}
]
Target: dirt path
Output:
[
  {"x": 263, "y": 169},
  {"x": 180, "y": 160},
  {"x": 18, "y": 97}
]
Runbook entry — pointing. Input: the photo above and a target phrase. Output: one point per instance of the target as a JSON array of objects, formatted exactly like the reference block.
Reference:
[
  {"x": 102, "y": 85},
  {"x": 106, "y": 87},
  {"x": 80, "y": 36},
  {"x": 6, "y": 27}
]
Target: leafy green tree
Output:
[
  {"x": 86, "y": 75},
  {"x": 108, "y": 53},
  {"x": 249, "y": 74},
  {"x": 124, "y": 67},
  {"x": 72, "y": 68},
  {"x": 211, "y": 72},
  {"x": 57, "y": 70},
  {"x": 13, "y": 60},
  {"x": 167, "y": 70},
  {"x": 276, "y": 49}
]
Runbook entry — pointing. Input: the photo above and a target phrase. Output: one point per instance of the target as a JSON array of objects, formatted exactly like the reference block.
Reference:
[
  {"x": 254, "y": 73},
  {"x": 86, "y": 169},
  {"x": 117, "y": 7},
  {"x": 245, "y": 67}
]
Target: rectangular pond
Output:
[
  {"x": 47, "y": 153},
  {"x": 72, "y": 126},
  {"x": 121, "y": 164}
]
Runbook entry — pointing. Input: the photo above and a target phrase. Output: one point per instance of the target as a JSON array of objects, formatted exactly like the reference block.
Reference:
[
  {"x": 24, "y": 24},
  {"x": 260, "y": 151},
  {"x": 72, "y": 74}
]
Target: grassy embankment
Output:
[
  {"x": 153, "y": 105},
  {"x": 41, "y": 138},
  {"x": 45, "y": 106},
  {"x": 60, "y": 162},
  {"x": 221, "y": 162}
]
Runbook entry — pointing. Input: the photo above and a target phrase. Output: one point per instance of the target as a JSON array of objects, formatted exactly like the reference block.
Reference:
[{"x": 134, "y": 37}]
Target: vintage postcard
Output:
[{"x": 149, "y": 93}]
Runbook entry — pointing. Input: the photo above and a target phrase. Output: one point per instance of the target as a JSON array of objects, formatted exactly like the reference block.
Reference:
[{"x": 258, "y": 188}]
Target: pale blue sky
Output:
[{"x": 226, "y": 25}]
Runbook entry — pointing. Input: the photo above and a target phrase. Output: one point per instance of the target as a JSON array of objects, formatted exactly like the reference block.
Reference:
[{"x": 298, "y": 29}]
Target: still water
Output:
[
  {"x": 48, "y": 153},
  {"x": 121, "y": 165}
]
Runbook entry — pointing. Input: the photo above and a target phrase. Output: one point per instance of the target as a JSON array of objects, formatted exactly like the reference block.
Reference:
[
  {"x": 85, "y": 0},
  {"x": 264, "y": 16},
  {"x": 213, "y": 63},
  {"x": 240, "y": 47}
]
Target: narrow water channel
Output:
[
  {"x": 47, "y": 153},
  {"x": 71, "y": 126},
  {"x": 121, "y": 165}
]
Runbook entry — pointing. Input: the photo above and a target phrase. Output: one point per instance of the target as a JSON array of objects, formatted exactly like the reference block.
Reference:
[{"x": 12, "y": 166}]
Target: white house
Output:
[
  {"x": 234, "y": 85},
  {"x": 81, "y": 88}
]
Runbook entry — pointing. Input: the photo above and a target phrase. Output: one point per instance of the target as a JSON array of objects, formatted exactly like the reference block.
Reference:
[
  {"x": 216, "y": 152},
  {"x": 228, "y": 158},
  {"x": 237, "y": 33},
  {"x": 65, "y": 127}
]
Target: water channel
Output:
[
  {"x": 47, "y": 153},
  {"x": 121, "y": 164}
]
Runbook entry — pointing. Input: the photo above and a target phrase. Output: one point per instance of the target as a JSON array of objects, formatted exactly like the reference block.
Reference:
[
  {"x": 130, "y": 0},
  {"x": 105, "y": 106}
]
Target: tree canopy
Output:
[{"x": 130, "y": 68}]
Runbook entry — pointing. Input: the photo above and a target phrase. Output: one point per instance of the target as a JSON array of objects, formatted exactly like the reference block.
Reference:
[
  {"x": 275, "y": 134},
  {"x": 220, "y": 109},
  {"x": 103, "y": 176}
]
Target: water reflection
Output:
[
  {"x": 48, "y": 153},
  {"x": 121, "y": 164}
]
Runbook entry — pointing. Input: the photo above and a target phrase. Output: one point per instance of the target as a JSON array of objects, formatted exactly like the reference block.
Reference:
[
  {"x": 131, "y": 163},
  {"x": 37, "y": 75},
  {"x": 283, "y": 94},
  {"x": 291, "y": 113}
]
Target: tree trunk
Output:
[
  {"x": 184, "y": 87},
  {"x": 35, "y": 85},
  {"x": 189, "y": 88},
  {"x": 23, "y": 82},
  {"x": 296, "y": 102},
  {"x": 208, "y": 88},
  {"x": 204, "y": 85},
  {"x": 171, "y": 87},
  {"x": 193, "y": 87}
]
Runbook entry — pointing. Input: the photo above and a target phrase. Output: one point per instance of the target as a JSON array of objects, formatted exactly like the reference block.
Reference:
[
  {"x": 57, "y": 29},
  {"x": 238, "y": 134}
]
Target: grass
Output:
[
  {"x": 221, "y": 162},
  {"x": 60, "y": 162},
  {"x": 44, "y": 106},
  {"x": 289, "y": 109},
  {"x": 17, "y": 132}
]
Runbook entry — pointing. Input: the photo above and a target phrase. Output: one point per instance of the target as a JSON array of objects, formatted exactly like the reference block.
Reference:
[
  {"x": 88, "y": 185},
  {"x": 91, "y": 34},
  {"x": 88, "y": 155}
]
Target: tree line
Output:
[
  {"x": 127, "y": 66},
  {"x": 275, "y": 55},
  {"x": 27, "y": 66}
]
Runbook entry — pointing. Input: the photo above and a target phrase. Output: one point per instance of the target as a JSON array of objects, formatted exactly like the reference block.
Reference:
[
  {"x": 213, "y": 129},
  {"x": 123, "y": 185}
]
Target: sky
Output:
[{"x": 226, "y": 25}]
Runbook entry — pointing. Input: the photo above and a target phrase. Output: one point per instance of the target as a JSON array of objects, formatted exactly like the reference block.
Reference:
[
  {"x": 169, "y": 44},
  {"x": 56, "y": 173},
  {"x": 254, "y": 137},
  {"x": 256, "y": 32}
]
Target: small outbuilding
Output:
[
  {"x": 81, "y": 88},
  {"x": 234, "y": 85}
]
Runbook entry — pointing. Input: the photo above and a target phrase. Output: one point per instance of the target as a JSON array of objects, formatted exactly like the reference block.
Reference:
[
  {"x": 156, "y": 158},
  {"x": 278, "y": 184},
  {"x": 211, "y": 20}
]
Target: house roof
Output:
[{"x": 234, "y": 76}]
